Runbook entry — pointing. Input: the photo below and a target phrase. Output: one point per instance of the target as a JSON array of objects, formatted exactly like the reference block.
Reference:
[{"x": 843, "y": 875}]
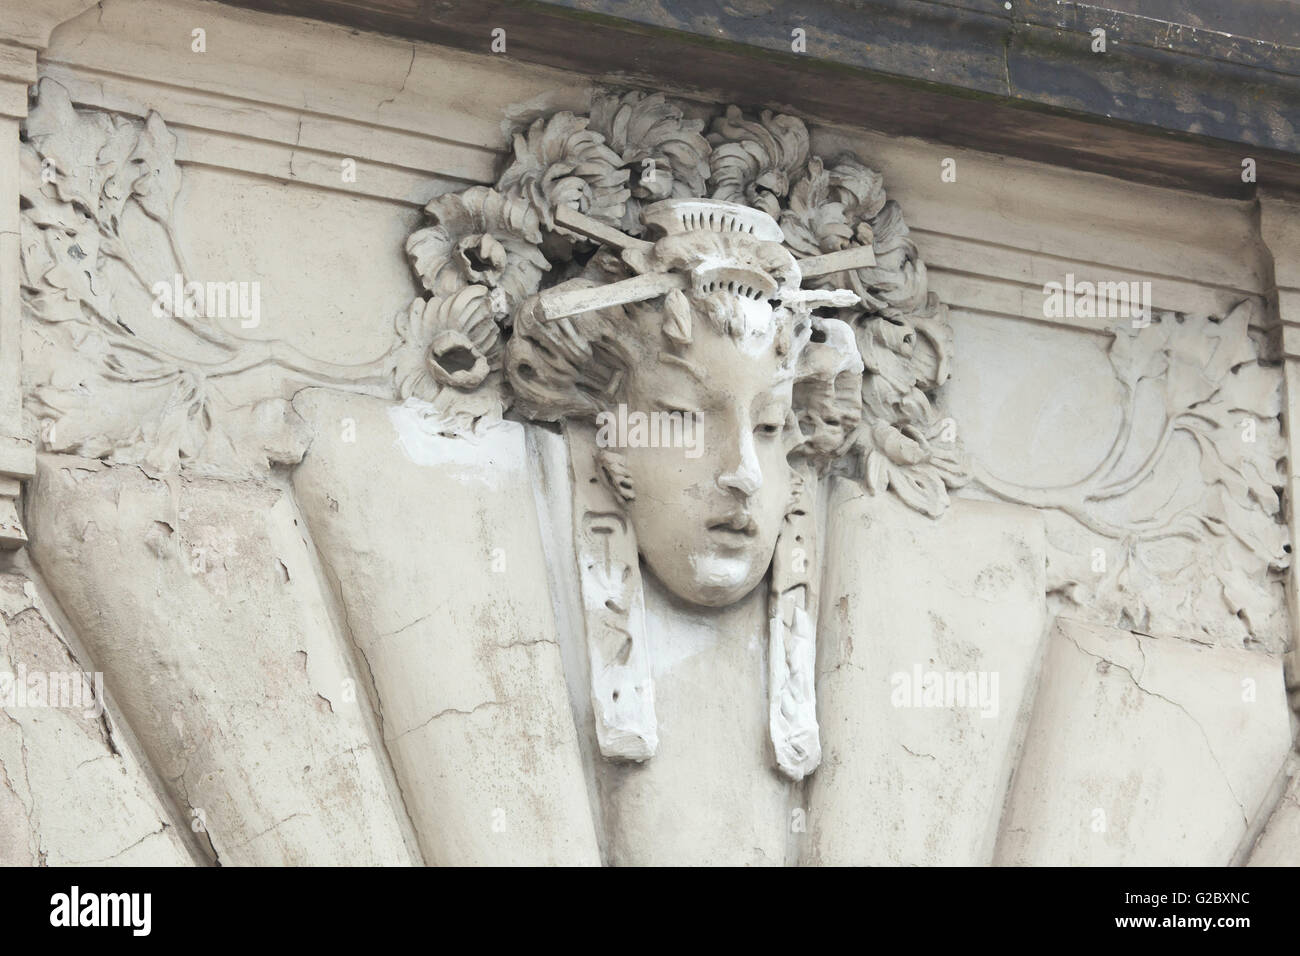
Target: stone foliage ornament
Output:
[
  {"x": 630, "y": 258},
  {"x": 727, "y": 349},
  {"x": 1135, "y": 546},
  {"x": 113, "y": 369},
  {"x": 512, "y": 241}
]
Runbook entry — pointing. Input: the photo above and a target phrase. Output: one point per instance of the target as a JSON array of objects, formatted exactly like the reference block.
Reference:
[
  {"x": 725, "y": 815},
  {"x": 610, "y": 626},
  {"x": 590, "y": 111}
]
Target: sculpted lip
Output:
[{"x": 737, "y": 523}]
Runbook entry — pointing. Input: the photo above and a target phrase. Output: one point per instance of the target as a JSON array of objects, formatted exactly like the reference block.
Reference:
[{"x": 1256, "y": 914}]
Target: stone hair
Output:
[{"x": 555, "y": 374}]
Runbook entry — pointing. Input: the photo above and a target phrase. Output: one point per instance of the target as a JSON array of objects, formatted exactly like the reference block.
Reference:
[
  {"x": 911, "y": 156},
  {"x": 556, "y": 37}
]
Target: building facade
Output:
[{"x": 619, "y": 433}]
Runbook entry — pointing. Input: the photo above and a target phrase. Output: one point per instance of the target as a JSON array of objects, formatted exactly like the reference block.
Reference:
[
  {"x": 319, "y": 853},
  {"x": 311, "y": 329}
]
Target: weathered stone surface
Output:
[
  {"x": 1278, "y": 843},
  {"x": 199, "y": 600},
  {"x": 1144, "y": 751},
  {"x": 69, "y": 794},
  {"x": 358, "y": 658},
  {"x": 711, "y": 795},
  {"x": 909, "y": 778},
  {"x": 434, "y": 546}
]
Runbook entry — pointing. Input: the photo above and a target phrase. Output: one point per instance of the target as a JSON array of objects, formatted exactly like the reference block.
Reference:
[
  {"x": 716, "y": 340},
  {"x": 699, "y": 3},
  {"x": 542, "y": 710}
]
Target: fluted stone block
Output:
[
  {"x": 434, "y": 546},
  {"x": 199, "y": 600},
  {"x": 930, "y": 639},
  {"x": 1145, "y": 751},
  {"x": 70, "y": 793}
]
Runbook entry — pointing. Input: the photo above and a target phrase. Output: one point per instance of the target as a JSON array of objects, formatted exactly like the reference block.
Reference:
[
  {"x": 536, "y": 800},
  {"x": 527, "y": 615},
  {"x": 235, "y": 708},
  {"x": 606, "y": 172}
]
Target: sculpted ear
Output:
[{"x": 613, "y": 465}]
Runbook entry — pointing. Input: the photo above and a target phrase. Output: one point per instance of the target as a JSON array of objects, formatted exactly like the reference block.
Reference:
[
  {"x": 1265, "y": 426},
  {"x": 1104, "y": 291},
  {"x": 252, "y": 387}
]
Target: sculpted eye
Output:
[{"x": 768, "y": 430}]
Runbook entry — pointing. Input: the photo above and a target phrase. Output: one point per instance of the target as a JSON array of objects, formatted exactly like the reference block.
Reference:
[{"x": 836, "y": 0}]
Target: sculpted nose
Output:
[{"x": 746, "y": 477}]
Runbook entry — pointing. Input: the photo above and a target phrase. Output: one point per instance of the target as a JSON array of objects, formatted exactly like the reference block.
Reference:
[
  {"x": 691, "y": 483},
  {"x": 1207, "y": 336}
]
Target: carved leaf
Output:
[
  {"x": 755, "y": 162},
  {"x": 71, "y": 141},
  {"x": 812, "y": 224},
  {"x": 559, "y": 161},
  {"x": 664, "y": 153},
  {"x": 160, "y": 181},
  {"x": 60, "y": 245},
  {"x": 479, "y": 237},
  {"x": 123, "y": 172}
]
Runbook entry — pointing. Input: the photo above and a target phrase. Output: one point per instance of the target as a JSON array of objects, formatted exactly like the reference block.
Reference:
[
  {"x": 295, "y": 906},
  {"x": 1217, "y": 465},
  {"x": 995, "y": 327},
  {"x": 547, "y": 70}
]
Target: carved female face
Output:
[{"x": 707, "y": 515}]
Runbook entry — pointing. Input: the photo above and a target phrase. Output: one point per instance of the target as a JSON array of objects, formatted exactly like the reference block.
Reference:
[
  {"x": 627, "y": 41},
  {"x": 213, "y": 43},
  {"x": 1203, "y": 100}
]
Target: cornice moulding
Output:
[{"x": 1180, "y": 112}]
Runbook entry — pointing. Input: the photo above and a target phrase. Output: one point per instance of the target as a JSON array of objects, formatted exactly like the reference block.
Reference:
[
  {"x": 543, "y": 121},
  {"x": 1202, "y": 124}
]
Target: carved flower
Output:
[
  {"x": 664, "y": 154},
  {"x": 906, "y": 446},
  {"x": 481, "y": 259},
  {"x": 813, "y": 223},
  {"x": 916, "y": 463},
  {"x": 479, "y": 237},
  {"x": 560, "y": 162},
  {"x": 860, "y": 191},
  {"x": 449, "y": 342},
  {"x": 755, "y": 162},
  {"x": 924, "y": 459},
  {"x": 455, "y": 360},
  {"x": 449, "y": 363},
  {"x": 896, "y": 286}
]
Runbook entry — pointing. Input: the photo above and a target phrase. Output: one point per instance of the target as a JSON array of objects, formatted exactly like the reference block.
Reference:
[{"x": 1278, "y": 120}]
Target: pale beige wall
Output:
[{"x": 266, "y": 117}]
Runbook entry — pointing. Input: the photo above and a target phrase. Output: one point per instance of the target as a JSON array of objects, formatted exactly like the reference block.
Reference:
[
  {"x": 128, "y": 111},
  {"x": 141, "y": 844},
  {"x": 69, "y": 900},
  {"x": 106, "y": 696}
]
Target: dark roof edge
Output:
[{"x": 1171, "y": 104}]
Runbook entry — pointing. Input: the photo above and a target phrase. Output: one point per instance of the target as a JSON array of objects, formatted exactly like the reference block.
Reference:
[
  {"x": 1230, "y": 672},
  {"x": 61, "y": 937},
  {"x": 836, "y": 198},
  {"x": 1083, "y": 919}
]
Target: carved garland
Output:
[{"x": 107, "y": 373}]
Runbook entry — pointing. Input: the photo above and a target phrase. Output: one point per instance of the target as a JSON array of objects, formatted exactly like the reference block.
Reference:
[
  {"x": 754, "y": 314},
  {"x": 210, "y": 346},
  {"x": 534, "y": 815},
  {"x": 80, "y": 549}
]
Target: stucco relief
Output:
[
  {"x": 634, "y": 261},
  {"x": 125, "y": 357},
  {"x": 1134, "y": 545}
]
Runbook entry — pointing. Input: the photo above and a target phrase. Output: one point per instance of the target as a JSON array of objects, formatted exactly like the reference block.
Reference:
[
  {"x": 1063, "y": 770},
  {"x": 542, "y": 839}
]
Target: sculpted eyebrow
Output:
[{"x": 693, "y": 367}]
